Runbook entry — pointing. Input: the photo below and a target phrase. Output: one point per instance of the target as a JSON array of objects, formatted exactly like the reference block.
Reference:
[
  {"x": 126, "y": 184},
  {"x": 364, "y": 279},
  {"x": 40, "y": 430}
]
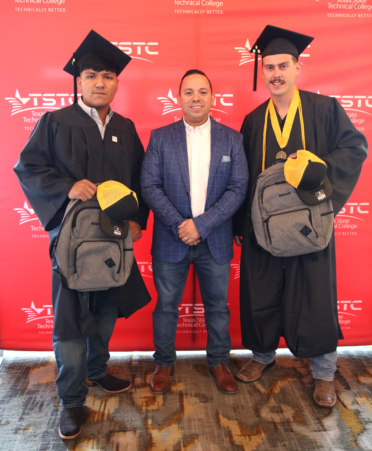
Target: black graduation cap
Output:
[
  {"x": 94, "y": 41},
  {"x": 275, "y": 41}
]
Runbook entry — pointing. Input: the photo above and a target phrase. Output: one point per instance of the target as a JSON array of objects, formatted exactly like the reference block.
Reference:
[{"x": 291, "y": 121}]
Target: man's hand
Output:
[
  {"x": 193, "y": 243},
  {"x": 238, "y": 240},
  {"x": 188, "y": 233},
  {"x": 83, "y": 190},
  {"x": 135, "y": 230}
]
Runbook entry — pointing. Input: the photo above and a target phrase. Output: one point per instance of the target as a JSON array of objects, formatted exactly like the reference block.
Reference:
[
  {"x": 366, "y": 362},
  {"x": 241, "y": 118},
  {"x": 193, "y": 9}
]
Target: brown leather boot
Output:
[
  {"x": 224, "y": 379},
  {"x": 253, "y": 370},
  {"x": 71, "y": 422},
  {"x": 324, "y": 393},
  {"x": 160, "y": 381}
]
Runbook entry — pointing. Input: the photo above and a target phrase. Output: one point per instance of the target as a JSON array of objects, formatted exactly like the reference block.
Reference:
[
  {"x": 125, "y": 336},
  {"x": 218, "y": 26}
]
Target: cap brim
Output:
[
  {"x": 318, "y": 195},
  {"x": 112, "y": 228}
]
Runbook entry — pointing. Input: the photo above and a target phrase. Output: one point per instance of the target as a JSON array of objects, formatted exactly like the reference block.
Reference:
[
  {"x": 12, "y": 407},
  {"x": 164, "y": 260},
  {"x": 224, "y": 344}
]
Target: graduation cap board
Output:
[
  {"x": 94, "y": 41},
  {"x": 277, "y": 41}
]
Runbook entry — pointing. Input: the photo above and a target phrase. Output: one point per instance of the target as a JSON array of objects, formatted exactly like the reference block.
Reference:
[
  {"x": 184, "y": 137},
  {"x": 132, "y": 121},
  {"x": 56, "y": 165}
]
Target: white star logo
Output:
[
  {"x": 32, "y": 312},
  {"x": 236, "y": 268},
  {"x": 169, "y": 103},
  {"x": 26, "y": 212},
  {"x": 17, "y": 102},
  {"x": 245, "y": 54}
]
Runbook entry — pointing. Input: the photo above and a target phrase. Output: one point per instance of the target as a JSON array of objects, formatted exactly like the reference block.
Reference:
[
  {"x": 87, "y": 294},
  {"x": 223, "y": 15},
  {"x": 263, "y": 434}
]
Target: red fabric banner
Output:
[{"x": 165, "y": 38}]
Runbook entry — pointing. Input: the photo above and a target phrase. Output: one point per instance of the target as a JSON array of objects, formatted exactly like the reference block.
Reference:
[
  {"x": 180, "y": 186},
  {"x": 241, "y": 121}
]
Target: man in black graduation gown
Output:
[
  {"x": 70, "y": 151},
  {"x": 293, "y": 297}
]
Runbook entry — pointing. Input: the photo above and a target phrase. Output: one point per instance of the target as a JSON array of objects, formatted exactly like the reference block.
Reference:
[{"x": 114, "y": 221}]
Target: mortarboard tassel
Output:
[
  {"x": 255, "y": 68},
  {"x": 74, "y": 69}
]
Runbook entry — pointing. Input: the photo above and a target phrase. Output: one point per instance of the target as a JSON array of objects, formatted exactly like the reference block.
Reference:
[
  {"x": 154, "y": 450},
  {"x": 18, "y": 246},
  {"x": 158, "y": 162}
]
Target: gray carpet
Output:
[{"x": 275, "y": 413}]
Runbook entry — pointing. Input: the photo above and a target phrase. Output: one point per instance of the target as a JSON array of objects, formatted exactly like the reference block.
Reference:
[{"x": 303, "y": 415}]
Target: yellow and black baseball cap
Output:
[
  {"x": 118, "y": 205},
  {"x": 308, "y": 174}
]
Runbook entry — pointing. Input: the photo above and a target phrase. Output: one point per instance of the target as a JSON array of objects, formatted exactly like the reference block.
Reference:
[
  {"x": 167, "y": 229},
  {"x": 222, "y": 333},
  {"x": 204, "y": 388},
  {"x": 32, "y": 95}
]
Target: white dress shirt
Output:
[
  {"x": 92, "y": 112},
  {"x": 199, "y": 155}
]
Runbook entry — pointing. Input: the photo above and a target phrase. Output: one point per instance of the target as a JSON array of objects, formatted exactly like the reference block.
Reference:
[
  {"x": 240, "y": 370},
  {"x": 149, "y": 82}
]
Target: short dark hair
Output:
[
  {"x": 98, "y": 60},
  {"x": 192, "y": 72}
]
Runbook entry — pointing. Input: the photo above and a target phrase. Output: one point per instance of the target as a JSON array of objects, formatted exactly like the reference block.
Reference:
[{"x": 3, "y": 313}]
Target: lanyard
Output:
[{"x": 283, "y": 137}]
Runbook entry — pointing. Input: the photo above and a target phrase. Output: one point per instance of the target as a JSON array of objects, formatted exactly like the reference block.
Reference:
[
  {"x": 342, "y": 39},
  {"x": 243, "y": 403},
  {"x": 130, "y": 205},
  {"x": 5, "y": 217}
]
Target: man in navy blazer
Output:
[{"x": 194, "y": 177}]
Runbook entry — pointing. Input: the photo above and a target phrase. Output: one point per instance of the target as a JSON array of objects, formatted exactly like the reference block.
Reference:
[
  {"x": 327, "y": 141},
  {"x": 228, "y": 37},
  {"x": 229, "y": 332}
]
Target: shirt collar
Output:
[
  {"x": 202, "y": 129},
  {"x": 280, "y": 120},
  {"x": 93, "y": 112}
]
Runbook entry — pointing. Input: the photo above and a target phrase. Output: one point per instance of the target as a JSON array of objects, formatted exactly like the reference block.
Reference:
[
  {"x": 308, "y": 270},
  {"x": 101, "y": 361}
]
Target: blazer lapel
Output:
[
  {"x": 180, "y": 145},
  {"x": 216, "y": 152}
]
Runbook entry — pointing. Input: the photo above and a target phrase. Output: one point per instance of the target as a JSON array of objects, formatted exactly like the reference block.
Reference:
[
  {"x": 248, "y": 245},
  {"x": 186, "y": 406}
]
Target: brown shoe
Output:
[
  {"x": 160, "y": 381},
  {"x": 224, "y": 379},
  {"x": 71, "y": 423},
  {"x": 324, "y": 393},
  {"x": 253, "y": 370}
]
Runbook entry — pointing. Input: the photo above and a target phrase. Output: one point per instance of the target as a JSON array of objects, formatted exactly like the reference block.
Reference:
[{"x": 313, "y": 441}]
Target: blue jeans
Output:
[
  {"x": 170, "y": 280},
  {"x": 322, "y": 367},
  {"x": 79, "y": 359}
]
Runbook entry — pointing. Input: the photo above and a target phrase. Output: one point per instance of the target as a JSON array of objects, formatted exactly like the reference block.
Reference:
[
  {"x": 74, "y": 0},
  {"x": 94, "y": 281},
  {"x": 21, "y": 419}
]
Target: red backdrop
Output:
[{"x": 166, "y": 38}]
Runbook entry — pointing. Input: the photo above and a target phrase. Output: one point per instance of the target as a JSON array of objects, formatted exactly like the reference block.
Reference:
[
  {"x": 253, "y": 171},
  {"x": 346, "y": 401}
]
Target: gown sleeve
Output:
[
  {"x": 45, "y": 188},
  {"x": 347, "y": 151}
]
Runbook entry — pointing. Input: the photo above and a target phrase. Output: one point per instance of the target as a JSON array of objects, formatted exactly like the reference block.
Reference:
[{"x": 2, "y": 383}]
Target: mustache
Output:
[{"x": 277, "y": 79}]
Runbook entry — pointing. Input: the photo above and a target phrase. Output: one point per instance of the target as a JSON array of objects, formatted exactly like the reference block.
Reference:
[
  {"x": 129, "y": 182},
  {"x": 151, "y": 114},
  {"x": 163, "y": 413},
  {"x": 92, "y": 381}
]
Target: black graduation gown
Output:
[
  {"x": 66, "y": 146},
  {"x": 295, "y": 297}
]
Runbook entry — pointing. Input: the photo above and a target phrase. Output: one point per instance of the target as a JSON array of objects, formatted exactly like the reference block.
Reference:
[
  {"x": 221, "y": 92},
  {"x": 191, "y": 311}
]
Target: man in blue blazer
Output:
[{"x": 194, "y": 177}]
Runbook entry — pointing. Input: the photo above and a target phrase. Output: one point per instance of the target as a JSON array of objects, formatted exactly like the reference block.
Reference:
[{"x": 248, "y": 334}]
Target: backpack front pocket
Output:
[
  {"x": 292, "y": 233},
  {"x": 97, "y": 262}
]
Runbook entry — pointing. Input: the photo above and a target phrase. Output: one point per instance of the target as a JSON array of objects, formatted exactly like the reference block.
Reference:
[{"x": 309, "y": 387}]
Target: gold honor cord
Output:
[{"x": 282, "y": 138}]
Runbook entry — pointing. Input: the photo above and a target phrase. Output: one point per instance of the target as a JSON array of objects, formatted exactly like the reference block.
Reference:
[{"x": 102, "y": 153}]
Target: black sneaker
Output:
[
  {"x": 111, "y": 384},
  {"x": 71, "y": 423}
]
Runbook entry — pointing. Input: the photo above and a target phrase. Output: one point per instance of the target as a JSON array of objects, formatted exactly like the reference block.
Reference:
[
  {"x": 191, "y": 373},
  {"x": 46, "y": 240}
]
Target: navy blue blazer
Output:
[{"x": 165, "y": 184}]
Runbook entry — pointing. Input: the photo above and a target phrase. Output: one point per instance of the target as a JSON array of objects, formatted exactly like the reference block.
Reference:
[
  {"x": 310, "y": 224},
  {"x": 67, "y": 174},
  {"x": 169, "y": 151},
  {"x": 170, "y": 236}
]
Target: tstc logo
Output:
[
  {"x": 354, "y": 210},
  {"x": 26, "y": 213},
  {"x": 345, "y": 310},
  {"x": 346, "y": 222},
  {"x": 247, "y": 57},
  {"x": 34, "y": 313},
  {"x": 170, "y": 104},
  {"x": 349, "y": 307},
  {"x": 360, "y": 104},
  {"x": 145, "y": 269},
  {"x": 133, "y": 49},
  {"x": 186, "y": 310},
  {"x": 38, "y": 102}
]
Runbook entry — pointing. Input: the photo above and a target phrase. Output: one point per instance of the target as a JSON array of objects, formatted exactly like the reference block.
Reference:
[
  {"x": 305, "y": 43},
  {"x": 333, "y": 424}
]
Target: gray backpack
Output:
[
  {"x": 88, "y": 259},
  {"x": 283, "y": 224}
]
